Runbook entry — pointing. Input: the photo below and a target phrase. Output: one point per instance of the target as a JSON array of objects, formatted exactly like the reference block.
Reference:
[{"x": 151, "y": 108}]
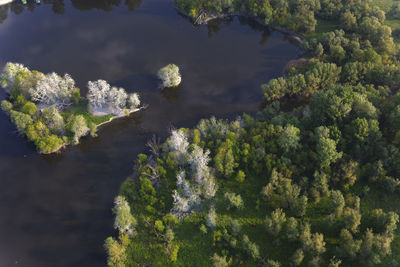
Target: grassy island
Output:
[
  {"x": 49, "y": 110},
  {"x": 312, "y": 185}
]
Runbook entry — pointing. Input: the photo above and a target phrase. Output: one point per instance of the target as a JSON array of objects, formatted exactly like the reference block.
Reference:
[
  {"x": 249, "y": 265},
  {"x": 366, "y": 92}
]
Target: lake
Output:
[{"x": 56, "y": 209}]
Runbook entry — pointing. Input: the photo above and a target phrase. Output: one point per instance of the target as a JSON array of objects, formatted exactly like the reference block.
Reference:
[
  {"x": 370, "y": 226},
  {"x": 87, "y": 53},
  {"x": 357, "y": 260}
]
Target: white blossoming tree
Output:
[
  {"x": 198, "y": 161},
  {"x": 186, "y": 199},
  {"x": 110, "y": 100},
  {"x": 199, "y": 184},
  {"x": 53, "y": 89},
  {"x": 178, "y": 144},
  {"x": 170, "y": 76}
]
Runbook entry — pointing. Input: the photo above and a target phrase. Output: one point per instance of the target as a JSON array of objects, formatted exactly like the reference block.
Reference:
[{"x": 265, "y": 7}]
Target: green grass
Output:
[{"x": 82, "y": 109}]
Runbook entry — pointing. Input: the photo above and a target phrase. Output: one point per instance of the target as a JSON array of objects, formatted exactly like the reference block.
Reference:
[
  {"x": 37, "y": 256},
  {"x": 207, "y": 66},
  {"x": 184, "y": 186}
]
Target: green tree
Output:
[{"x": 79, "y": 127}]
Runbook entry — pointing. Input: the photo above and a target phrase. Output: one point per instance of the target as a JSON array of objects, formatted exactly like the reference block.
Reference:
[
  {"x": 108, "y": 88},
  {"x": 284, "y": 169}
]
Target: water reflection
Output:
[{"x": 58, "y": 6}]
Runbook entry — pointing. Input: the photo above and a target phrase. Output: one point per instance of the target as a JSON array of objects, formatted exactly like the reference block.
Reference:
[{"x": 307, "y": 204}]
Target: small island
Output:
[
  {"x": 170, "y": 76},
  {"x": 50, "y": 111}
]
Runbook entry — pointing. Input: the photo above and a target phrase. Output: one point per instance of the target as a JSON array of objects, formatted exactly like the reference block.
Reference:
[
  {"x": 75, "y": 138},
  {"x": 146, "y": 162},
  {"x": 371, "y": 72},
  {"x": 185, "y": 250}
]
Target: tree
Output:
[
  {"x": 348, "y": 247},
  {"x": 178, "y": 144},
  {"x": 29, "y": 108},
  {"x": 289, "y": 139},
  {"x": 76, "y": 95},
  {"x": 326, "y": 150},
  {"x": 116, "y": 253},
  {"x": 320, "y": 187},
  {"x": 170, "y": 76},
  {"x": 6, "y": 106},
  {"x": 48, "y": 144},
  {"x": 351, "y": 219},
  {"x": 133, "y": 101},
  {"x": 337, "y": 202},
  {"x": 292, "y": 231},
  {"x": 124, "y": 222},
  {"x": 233, "y": 200},
  {"x": 79, "y": 127},
  {"x": 20, "y": 120},
  {"x": 9, "y": 75},
  {"x": 240, "y": 176},
  {"x": 348, "y": 21},
  {"x": 250, "y": 247},
  {"x": 224, "y": 160},
  {"x": 54, "y": 120},
  {"x": 219, "y": 261},
  {"x": 275, "y": 222},
  {"x": 106, "y": 99},
  {"x": 297, "y": 257},
  {"x": 211, "y": 218},
  {"x": 53, "y": 89}
]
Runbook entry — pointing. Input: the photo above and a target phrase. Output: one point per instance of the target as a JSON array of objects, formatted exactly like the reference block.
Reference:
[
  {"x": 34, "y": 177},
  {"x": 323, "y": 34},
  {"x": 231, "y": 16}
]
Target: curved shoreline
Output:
[{"x": 210, "y": 17}]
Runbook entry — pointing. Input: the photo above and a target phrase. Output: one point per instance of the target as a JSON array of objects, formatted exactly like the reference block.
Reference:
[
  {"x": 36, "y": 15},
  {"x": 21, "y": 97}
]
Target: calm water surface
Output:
[{"x": 56, "y": 210}]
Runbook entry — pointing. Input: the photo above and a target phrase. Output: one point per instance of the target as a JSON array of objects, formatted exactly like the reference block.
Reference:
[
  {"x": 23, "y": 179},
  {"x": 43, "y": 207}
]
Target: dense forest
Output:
[{"x": 312, "y": 185}]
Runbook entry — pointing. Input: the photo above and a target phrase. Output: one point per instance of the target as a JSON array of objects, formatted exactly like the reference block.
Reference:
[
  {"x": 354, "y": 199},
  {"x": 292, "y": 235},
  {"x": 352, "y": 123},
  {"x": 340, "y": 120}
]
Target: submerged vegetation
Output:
[
  {"x": 315, "y": 185},
  {"x": 50, "y": 111}
]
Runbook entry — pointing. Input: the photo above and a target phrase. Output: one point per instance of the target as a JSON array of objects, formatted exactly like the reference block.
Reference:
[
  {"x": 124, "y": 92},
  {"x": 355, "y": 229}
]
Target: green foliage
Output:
[
  {"x": 76, "y": 95},
  {"x": 21, "y": 120},
  {"x": 29, "y": 108},
  {"x": 339, "y": 147},
  {"x": 234, "y": 201},
  {"x": 79, "y": 127},
  {"x": 6, "y": 106}
]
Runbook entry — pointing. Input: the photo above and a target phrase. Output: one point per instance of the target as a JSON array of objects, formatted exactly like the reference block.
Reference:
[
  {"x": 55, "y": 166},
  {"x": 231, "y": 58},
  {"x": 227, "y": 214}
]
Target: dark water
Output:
[{"x": 56, "y": 210}]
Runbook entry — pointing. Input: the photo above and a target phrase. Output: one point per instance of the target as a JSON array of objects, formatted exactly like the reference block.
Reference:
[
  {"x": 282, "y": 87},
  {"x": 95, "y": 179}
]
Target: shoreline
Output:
[
  {"x": 64, "y": 145},
  {"x": 121, "y": 116},
  {"x": 210, "y": 17}
]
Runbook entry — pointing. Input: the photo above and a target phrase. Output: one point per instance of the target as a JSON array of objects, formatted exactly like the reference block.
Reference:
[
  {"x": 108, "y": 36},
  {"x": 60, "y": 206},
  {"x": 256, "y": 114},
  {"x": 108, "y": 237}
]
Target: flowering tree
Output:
[
  {"x": 198, "y": 161},
  {"x": 53, "y": 89},
  {"x": 133, "y": 101},
  {"x": 178, "y": 144},
  {"x": 9, "y": 75},
  {"x": 104, "y": 98},
  {"x": 186, "y": 198},
  {"x": 170, "y": 76}
]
